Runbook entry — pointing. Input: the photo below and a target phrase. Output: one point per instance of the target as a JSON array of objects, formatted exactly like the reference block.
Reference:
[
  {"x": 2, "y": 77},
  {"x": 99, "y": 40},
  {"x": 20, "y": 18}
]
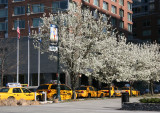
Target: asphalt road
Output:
[{"x": 86, "y": 106}]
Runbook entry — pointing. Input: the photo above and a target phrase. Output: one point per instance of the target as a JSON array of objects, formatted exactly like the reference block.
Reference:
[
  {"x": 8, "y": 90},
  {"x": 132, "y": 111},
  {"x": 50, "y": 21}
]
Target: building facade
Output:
[
  {"x": 16, "y": 10},
  {"x": 28, "y": 12},
  {"x": 146, "y": 20}
]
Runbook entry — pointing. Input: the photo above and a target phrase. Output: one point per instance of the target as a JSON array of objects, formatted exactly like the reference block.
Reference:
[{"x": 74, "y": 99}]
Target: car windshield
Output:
[
  {"x": 106, "y": 88},
  {"x": 4, "y": 90},
  {"x": 125, "y": 88},
  {"x": 43, "y": 87},
  {"x": 33, "y": 90},
  {"x": 82, "y": 88}
]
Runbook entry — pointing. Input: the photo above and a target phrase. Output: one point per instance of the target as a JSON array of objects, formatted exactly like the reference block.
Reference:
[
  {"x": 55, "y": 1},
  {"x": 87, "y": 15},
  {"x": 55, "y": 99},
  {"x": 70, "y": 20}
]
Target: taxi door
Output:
[
  {"x": 17, "y": 93},
  {"x": 27, "y": 95},
  {"x": 65, "y": 92},
  {"x": 92, "y": 92}
]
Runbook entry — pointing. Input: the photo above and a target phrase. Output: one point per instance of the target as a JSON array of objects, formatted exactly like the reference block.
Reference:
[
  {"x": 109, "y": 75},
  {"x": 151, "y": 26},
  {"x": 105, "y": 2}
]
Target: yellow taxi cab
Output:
[
  {"x": 51, "y": 89},
  {"x": 17, "y": 93},
  {"x": 117, "y": 92},
  {"x": 88, "y": 91},
  {"x": 127, "y": 89},
  {"x": 113, "y": 90},
  {"x": 106, "y": 91}
]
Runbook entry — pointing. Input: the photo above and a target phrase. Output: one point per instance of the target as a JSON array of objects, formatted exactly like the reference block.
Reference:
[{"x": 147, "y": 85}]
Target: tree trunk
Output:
[
  {"x": 131, "y": 90},
  {"x": 2, "y": 79},
  {"x": 131, "y": 84},
  {"x": 2, "y": 74},
  {"x": 73, "y": 84},
  {"x": 151, "y": 87},
  {"x": 109, "y": 90}
]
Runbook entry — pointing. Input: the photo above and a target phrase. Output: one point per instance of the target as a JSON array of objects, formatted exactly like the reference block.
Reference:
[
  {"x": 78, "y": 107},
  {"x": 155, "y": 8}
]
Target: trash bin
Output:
[
  {"x": 125, "y": 97},
  {"x": 43, "y": 96}
]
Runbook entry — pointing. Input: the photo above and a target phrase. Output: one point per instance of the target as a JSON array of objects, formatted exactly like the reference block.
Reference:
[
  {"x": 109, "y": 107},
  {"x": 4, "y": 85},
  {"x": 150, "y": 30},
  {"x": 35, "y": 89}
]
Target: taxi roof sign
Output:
[{"x": 13, "y": 85}]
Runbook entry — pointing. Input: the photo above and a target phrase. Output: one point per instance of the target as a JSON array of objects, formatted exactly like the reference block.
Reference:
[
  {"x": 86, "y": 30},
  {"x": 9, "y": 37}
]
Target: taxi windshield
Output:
[
  {"x": 82, "y": 88},
  {"x": 106, "y": 88},
  {"x": 43, "y": 87},
  {"x": 125, "y": 88},
  {"x": 4, "y": 90}
]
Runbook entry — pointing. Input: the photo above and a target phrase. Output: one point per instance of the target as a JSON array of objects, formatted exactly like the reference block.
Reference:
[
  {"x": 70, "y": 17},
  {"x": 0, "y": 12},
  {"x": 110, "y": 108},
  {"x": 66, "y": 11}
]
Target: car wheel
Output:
[
  {"x": 102, "y": 95},
  {"x": 11, "y": 98},
  {"x": 38, "y": 98},
  {"x": 114, "y": 95},
  {"x": 54, "y": 96},
  {"x": 89, "y": 95}
]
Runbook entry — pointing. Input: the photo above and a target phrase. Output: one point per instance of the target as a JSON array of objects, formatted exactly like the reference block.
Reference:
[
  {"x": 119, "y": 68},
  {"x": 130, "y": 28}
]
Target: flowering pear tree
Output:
[
  {"x": 88, "y": 44},
  {"x": 80, "y": 33}
]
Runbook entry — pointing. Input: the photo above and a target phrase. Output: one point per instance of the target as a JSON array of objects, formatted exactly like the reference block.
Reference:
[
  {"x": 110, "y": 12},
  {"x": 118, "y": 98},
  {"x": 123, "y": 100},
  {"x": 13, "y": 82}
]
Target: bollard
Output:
[
  {"x": 125, "y": 97},
  {"x": 43, "y": 96},
  {"x": 35, "y": 98}
]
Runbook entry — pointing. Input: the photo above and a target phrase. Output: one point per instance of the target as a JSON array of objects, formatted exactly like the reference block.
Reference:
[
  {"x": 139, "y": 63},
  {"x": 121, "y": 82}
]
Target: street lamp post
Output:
[
  {"x": 54, "y": 46},
  {"x": 28, "y": 13}
]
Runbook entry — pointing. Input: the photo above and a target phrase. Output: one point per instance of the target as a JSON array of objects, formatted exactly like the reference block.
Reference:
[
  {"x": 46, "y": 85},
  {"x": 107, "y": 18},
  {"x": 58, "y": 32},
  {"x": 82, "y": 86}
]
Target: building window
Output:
[
  {"x": 21, "y": 24},
  {"x": 114, "y": 0},
  {"x": 3, "y": 1},
  {"x": 146, "y": 23},
  {"x": 134, "y": 25},
  {"x": 36, "y": 22},
  {"x": 146, "y": 33},
  {"x": 121, "y": 24},
  {"x": 105, "y": 5},
  {"x": 104, "y": 17},
  {"x": 137, "y": 10},
  {"x": 151, "y": 0},
  {"x": 60, "y": 5},
  {"x": 144, "y": 1},
  {"x": 38, "y": 8},
  {"x": 159, "y": 31},
  {"x": 144, "y": 8},
  {"x": 96, "y": 3},
  {"x": 18, "y": 0},
  {"x": 158, "y": 22},
  {"x": 130, "y": 27},
  {"x": 3, "y": 13},
  {"x": 113, "y": 21},
  {"x": 121, "y": 12},
  {"x": 114, "y": 9},
  {"x": 95, "y": 14},
  {"x": 121, "y": 2},
  {"x": 19, "y": 10},
  {"x": 151, "y": 7},
  {"x": 129, "y": 17},
  {"x": 129, "y": 6},
  {"x": 2, "y": 26}
]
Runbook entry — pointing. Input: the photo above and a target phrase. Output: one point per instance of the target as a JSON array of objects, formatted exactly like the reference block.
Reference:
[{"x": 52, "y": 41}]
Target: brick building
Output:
[
  {"x": 120, "y": 10},
  {"x": 146, "y": 20}
]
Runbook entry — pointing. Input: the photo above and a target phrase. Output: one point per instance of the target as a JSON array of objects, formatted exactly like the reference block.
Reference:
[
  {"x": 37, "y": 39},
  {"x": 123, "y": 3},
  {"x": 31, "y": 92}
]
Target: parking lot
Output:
[{"x": 82, "y": 106}]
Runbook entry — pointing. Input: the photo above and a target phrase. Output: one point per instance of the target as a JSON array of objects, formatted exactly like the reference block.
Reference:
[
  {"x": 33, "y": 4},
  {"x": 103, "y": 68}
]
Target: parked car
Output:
[
  {"x": 156, "y": 91},
  {"x": 51, "y": 89},
  {"x": 127, "y": 89},
  {"x": 113, "y": 90},
  {"x": 89, "y": 91},
  {"x": 17, "y": 93}
]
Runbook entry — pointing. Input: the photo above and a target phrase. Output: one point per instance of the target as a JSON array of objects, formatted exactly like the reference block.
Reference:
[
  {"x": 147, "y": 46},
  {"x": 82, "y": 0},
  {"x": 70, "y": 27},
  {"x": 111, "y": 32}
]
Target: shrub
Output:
[{"x": 150, "y": 100}]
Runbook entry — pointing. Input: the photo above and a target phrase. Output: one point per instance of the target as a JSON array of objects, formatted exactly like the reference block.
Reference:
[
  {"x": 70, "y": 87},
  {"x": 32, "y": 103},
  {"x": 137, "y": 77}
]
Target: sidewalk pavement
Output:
[{"x": 83, "y": 106}]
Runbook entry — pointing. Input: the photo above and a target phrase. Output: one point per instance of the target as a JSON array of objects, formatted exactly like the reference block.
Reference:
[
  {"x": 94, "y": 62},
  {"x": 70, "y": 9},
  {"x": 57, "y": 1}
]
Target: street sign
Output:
[{"x": 53, "y": 48}]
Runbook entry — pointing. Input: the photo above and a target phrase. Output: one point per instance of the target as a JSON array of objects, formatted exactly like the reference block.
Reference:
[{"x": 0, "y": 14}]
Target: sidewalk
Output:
[{"x": 86, "y": 106}]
